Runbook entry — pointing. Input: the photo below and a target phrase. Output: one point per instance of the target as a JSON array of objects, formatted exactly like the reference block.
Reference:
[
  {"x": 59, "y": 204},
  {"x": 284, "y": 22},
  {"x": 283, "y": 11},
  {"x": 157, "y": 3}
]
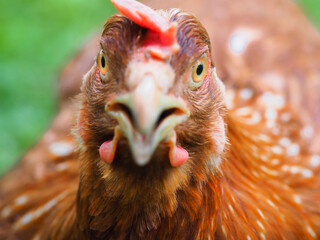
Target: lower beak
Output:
[{"x": 146, "y": 117}]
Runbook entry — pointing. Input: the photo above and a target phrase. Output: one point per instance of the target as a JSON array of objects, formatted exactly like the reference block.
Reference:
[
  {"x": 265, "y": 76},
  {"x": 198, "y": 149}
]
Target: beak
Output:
[{"x": 147, "y": 115}]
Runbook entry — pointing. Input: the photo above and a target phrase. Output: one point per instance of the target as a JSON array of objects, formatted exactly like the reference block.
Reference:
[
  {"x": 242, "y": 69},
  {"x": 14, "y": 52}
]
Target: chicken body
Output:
[{"x": 264, "y": 184}]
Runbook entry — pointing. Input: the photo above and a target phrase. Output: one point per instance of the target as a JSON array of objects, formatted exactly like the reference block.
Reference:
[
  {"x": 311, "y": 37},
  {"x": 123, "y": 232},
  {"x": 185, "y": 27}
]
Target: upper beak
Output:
[{"x": 147, "y": 115}]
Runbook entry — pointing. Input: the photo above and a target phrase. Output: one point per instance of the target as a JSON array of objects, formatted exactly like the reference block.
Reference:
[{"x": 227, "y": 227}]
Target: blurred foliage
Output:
[
  {"x": 37, "y": 38},
  {"x": 312, "y": 9}
]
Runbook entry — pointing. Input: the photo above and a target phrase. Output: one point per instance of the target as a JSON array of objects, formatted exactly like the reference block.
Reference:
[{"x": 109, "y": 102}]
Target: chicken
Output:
[{"x": 164, "y": 151}]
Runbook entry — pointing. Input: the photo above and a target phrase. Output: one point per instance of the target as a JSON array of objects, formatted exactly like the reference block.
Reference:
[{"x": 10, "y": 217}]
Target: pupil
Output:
[
  {"x": 199, "y": 69},
  {"x": 103, "y": 62}
]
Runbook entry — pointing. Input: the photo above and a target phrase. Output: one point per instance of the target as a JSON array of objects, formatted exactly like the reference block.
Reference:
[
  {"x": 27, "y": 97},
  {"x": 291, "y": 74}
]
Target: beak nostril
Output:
[
  {"x": 168, "y": 112},
  {"x": 146, "y": 122},
  {"x": 119, "y": 107},
  {"x": 147, "y": 115}
]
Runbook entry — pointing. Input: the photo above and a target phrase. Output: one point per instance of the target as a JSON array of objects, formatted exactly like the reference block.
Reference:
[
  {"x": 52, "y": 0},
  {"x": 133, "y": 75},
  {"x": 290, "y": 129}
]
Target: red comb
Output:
[{"x": 148, "y": 18}]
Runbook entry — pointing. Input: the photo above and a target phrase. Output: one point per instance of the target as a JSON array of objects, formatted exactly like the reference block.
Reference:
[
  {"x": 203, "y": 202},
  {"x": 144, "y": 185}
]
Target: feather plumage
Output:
[{"x": 263, "y": 183}]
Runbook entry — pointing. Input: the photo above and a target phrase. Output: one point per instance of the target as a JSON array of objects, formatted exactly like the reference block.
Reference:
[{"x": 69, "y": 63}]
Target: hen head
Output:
[{"x": 151, "y": 120}]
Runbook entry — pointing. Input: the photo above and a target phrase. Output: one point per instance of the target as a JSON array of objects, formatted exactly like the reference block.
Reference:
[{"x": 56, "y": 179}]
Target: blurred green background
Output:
[{"x": 37, "y": 38}]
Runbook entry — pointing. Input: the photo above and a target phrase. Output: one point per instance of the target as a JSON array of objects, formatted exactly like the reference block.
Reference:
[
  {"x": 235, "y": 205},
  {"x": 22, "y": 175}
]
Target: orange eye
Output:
[
  {"x": 102, "y": 63},
  {"x": 199, "y": 70}
]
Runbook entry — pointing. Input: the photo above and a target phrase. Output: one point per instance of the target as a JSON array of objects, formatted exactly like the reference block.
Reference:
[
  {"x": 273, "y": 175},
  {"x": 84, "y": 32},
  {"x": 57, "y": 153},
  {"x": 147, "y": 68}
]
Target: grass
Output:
[
  {"x": 37, "y": 38},
  {"x": 312, "y": 9}
]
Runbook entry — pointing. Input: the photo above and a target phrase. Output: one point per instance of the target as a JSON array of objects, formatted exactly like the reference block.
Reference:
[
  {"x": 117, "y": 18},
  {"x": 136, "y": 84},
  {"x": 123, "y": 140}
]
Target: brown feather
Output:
[{"x": 264, "y": 185}]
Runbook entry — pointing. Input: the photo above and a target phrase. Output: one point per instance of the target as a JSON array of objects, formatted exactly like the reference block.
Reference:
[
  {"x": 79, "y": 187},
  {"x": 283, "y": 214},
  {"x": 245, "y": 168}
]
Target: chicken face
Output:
[
  {"x": 148, "y": 113},
  {"x": 151, "y": 111}
]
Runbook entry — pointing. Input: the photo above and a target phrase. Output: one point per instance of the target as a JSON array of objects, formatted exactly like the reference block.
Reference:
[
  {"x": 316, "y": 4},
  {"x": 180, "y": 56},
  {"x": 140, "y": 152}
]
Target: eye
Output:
[
  {"x": 199, "y": 70},
  {"x": 102, "y": 63}
]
